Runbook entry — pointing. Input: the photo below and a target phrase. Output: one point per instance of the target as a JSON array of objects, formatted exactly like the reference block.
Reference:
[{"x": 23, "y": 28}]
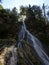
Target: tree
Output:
[
  {"x": 14, "y": 11},
  {"x": 8, "y": 23},
  {"x": 37, "y": 11},
  {"x": 23, "y": 10},
  {"x": 1, "y": 7}
]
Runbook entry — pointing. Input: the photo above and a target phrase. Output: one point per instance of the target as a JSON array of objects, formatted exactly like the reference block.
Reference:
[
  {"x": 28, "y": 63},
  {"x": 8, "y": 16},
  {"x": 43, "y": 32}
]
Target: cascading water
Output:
[
  {"x": 13, "y": 59},
  {"x": 38, "y": 49},
  {"x": 34, "y": 43}
]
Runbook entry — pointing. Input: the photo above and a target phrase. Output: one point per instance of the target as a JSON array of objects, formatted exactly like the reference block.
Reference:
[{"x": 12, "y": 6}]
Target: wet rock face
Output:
[
  {"x": 2, "y": 56},
  {"x": 7, "y": 58},
  {"x": 25, "y": 56}
]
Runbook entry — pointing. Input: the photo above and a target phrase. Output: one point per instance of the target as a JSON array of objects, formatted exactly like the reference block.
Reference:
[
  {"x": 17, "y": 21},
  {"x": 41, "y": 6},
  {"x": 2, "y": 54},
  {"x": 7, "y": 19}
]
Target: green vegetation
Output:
[
  {"x": 8, "y": 23},
  {"x": 1, "y": 7},
  {"x": 2, "y": 42},
  {"x": 0, "y": 64},
  {"x": 6, "y": 42},
  {"x": 35, "y": 23}
]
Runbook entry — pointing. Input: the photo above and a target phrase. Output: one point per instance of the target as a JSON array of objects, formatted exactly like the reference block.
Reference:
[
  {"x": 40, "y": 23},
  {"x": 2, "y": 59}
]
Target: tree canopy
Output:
[
  {"x": 35, "y": 22},
  {"x": 1, "y": 7}
]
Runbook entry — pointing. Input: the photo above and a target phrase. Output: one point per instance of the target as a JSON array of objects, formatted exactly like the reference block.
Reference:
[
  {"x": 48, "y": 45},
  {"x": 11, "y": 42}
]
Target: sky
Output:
[{"x": 17, "y": 3}]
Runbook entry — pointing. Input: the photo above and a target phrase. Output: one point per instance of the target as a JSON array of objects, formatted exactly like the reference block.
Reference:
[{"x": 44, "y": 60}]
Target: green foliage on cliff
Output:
[
  {"x": 8, "y": 23},
  {"x": 35, "y": 23},
  {"x": 1, "y": 7}
]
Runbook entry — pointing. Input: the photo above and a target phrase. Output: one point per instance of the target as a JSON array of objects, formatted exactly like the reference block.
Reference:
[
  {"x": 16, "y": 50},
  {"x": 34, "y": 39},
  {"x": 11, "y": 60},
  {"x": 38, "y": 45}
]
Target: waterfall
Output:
[{"x": 35, "y": 44}]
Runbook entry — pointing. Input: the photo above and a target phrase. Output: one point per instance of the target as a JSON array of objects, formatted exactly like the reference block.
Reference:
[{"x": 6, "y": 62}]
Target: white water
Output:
[
  {"x": 13, "y": 60},
  {"x": 35, "y": 45},
  {"x": 25, "y": 54},
  {"x": 38, "y": 49}
]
